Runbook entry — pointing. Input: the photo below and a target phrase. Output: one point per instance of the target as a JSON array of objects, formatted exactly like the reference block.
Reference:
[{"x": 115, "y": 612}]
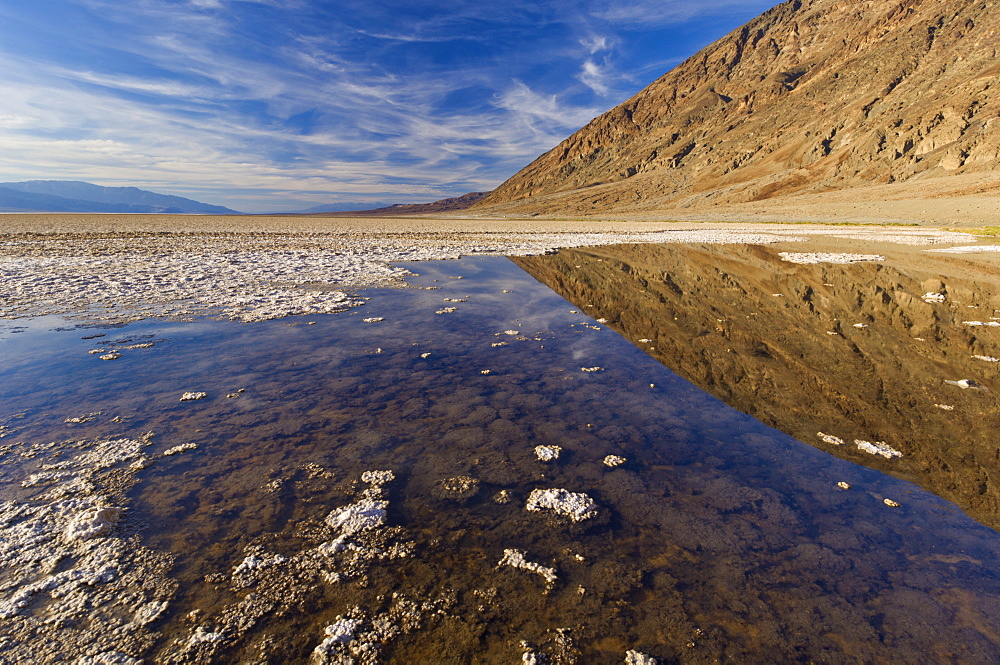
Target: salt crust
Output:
[
  {"x": 356, "y": 638},
  {"x": 547, "y": 453},
  {"x": 515, "y": 559},
  {"x": 74, "y": 587},
  {"x": 257, "y": 277},
  {"x": 611, "y": 461},
  {"x": 638, "y": 658},
  {"x": 574, "y": 505},
  {"x": 965, "y": 384},
  {"x": 184, "y": 447},
  {"x": 877, "y": 448},
  {"x": 92, "y": 522},
  {"x": 831, "y": 439},
  {"x": 968, "y": 249},
  {"x": 827, "y": 257},
  {"x": 349, "y": 542}
]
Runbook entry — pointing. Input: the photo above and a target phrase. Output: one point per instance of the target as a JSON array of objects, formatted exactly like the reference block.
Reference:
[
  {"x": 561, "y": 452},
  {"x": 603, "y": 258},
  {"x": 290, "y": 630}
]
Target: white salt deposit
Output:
[
  {"x": 190, "y": 397},
  {"x": 827, "y": 257},
  {"x": 92, "y": 522},
  {"x": 256, "y": 277},
  {"x": 966, "y": 249},
  {"x": 515, "y": 559},
  {"x": 340, "y": 632},
  {"x": 989, "y": 359},
  {"x": 988, "y": 324},
  {"x": 75, "y": 580},
  {"x": 638, "y": 658},
  {"x": 933, "y": 297},
  {"x": 831, "y": 439},
  {"x": 547, "y": 453},
  {"x": 358, "y": 516},
  {"x": 877, "y": 448},
  {"x": 591, "y": 369},
  {"x": 611, "y": 461},
  {"x": 378, "y": 477},
  {"x": 202, "y": 634},
  {"x": 79, "y": 420},
  {"x": 965, "y": 384},
  {"x": 253, "y": 563},
  {"x": 891, "y": 503},
  {"x": 577, "y": 506},
  {"x": 184, "y": 447},
  {"x": 108, "y": 658}
]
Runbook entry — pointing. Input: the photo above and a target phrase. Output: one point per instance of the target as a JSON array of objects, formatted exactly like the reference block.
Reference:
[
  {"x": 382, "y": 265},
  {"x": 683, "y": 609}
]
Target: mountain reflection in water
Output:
[
  {"x": 718, "y": 540},
  {"x": 851, "y": 351}
]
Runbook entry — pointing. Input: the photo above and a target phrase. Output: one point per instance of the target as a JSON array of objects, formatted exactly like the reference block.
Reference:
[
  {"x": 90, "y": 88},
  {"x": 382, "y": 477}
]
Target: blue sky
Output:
[{"x": 271, "y": 105}]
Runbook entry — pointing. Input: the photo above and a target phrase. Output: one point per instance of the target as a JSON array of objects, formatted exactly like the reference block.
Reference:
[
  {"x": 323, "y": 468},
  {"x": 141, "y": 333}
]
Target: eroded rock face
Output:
[{"x": 811, "y": 95}]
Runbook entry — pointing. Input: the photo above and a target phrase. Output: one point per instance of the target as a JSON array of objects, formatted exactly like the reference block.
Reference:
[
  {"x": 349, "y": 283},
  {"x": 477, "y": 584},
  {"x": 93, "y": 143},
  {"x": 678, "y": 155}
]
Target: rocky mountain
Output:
[
  {"x": 346, "y": 206},
  {"x": 812, "y": 96},
  {"x": 74, "y": 196}
]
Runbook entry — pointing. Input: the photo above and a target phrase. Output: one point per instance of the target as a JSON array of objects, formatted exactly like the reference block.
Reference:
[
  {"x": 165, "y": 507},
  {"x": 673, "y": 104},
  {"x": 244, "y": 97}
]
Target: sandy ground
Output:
[{"x": 964, "y": 201}]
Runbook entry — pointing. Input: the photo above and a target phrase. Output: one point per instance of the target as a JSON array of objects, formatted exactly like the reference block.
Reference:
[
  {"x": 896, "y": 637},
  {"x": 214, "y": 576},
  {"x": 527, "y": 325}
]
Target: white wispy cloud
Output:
[
  {"x": 664, "y": 12},
  {"x": 595, "y": 77},
  {"x": 595, "y": 43},
  {"x": 239, "y": 100}
]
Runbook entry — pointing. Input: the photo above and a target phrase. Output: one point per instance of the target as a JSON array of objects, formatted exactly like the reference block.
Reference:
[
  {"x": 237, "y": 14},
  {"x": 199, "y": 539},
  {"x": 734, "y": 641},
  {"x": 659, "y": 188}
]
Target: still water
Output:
[{"x": 718, "y": 539}]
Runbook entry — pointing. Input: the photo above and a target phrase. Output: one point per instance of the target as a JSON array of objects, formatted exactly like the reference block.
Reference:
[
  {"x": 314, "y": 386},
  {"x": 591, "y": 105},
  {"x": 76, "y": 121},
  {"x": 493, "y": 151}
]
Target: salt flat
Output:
[{"x": 365, "y": 487}]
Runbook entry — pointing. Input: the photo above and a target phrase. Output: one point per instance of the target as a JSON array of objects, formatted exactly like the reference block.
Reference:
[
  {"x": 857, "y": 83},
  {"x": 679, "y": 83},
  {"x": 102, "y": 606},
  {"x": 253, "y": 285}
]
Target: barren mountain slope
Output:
[{"x": 811, "y": 96}]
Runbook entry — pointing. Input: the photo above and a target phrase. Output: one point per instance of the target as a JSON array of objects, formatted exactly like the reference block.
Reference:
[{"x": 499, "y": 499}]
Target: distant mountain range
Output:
[
  {"x": 452, "y": 204},
  {"x": 340, "y": 207},
  {"x": 74, "y": 196}
]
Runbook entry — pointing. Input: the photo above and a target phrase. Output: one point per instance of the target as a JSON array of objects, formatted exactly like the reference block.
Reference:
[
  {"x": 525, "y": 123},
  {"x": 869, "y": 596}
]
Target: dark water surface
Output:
[{"x": 718, "y": 540}]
